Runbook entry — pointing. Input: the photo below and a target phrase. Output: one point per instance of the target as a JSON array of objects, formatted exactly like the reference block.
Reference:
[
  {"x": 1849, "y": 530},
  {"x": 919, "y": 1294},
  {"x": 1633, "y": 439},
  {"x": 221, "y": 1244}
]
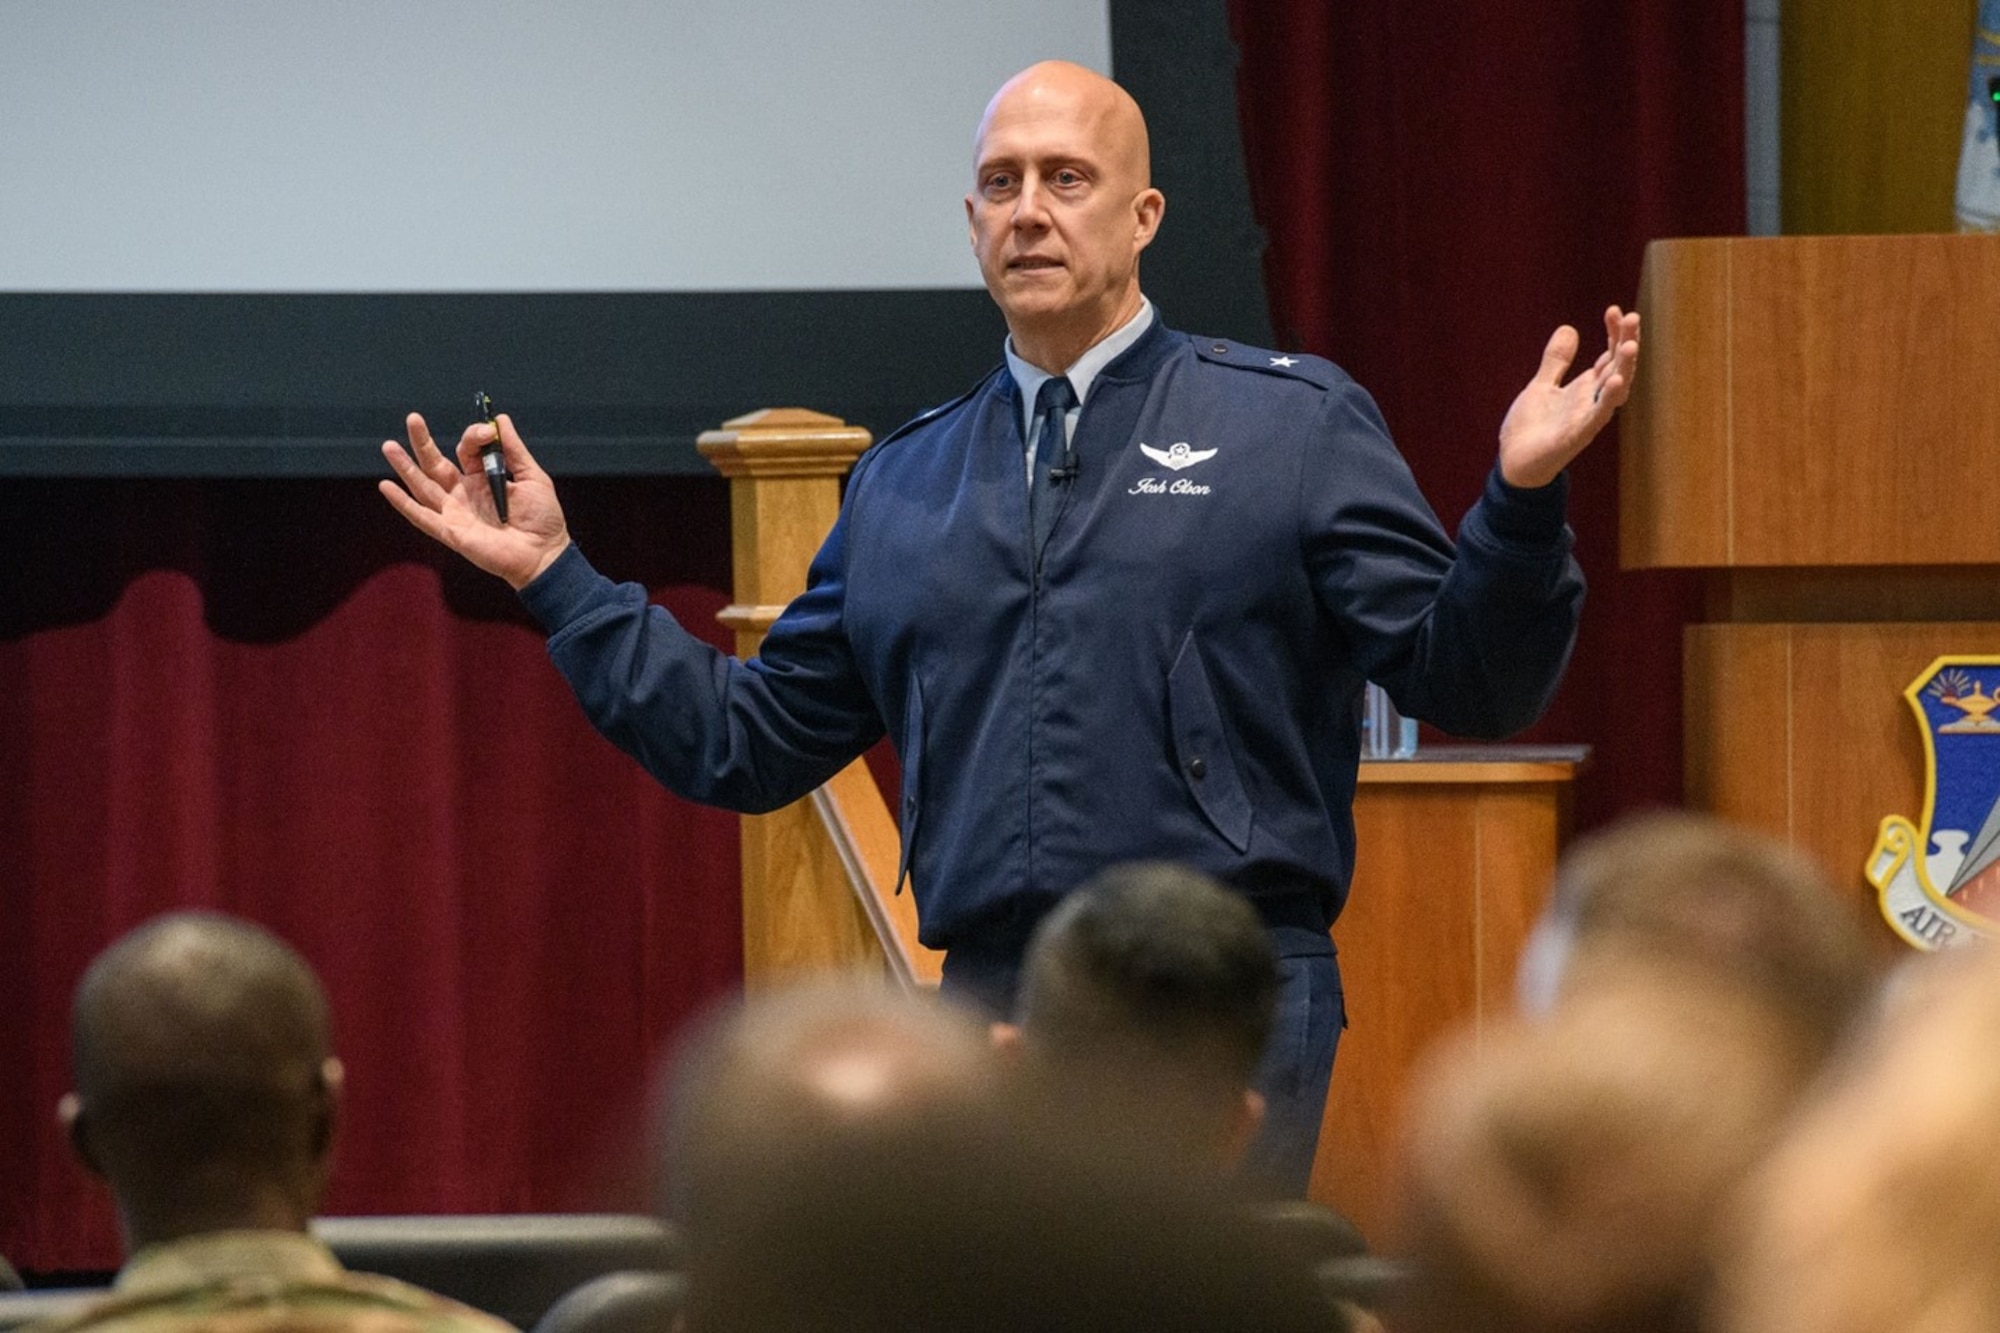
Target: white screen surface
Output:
[{"x": 442, "y": 145}]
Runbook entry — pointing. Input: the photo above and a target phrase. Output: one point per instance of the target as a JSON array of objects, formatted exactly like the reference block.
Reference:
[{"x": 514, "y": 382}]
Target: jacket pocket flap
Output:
[{"x": 1201, "y": 747}]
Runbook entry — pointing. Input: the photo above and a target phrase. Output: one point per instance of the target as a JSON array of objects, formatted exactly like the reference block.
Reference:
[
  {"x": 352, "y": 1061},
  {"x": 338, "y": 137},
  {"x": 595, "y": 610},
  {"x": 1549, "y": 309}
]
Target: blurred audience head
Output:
[
  {"x": 1714, "y": 897},
  {"x": 1147, "y": 997},
  {"x": 786, "y": 1069},
  {"x": 1879, "y": 1210},
  {"x": 847, "y": 1160},
  {"x": 206, "y": 1087},
  {"x": 1567, "y": 1173}
]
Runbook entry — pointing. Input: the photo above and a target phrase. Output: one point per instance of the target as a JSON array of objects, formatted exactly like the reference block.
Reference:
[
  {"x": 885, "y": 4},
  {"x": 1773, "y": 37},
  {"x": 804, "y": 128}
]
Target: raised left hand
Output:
[{"x": 1551, "y": 422}]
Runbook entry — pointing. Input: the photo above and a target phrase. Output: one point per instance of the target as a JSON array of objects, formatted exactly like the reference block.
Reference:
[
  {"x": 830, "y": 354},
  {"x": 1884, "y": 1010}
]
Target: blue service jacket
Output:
[{"x": 1176, "y": 674}]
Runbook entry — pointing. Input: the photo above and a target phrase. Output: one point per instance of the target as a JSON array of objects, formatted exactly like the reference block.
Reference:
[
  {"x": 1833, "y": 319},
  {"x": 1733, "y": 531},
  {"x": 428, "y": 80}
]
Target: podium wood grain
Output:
[
  {"x": 1454, "y": 862},
  {"x": 1822, "y": 401}
]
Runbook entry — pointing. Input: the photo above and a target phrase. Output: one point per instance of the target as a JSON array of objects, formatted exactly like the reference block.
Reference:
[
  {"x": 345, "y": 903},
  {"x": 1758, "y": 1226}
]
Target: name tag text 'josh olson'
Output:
[{"x": 1157, "y": 486}]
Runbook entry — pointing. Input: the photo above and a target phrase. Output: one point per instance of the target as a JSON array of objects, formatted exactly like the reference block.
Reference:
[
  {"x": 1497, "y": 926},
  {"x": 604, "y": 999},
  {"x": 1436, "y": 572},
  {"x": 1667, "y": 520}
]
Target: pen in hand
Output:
[{"x": 495, "y": 467}]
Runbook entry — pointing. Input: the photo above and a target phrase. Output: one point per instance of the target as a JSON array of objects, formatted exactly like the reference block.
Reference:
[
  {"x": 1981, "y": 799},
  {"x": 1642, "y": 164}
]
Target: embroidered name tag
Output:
[
  {"x": 1160, "y": 486},
  {"x": 1177, "y": 457}
]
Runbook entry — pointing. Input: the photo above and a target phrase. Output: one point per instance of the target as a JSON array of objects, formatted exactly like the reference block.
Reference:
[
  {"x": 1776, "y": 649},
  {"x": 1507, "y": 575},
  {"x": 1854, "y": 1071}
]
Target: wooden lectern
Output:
[{"x": 1816, "y": 424}]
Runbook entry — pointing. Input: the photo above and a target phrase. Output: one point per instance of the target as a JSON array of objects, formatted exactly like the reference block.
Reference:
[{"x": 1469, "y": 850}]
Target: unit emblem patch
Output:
[{"x": 1938, "y": 882}]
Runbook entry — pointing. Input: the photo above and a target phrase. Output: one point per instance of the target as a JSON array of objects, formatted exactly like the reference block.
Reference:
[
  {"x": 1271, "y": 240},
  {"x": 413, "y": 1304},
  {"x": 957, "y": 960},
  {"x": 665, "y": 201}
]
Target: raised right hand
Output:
[{"x": 452, "y": 503}]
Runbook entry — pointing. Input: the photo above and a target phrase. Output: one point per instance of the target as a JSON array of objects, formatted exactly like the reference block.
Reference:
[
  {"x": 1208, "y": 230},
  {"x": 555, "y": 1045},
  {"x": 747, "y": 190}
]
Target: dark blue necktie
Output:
[{"x": 1054, "y": 400}]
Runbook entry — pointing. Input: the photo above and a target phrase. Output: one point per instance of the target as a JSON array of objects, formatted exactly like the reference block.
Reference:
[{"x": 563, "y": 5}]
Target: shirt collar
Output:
[
  {"x": 222, "y": 1256},
  {"x": 1083, "y": 371}
]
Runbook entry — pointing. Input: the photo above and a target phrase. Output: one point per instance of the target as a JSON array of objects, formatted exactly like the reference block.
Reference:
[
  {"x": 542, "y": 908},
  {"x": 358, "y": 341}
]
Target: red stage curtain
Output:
[
  {"x": 1441, "y": 186},
  {"x": 262, "y": 697}
]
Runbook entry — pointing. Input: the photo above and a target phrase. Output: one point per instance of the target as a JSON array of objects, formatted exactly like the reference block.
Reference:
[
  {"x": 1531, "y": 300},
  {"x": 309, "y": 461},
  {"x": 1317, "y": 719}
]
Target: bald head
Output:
[
  {"x": 829, "y": 1060},
  {"x": 197, "y": 998},
  {"x": 1099, "y": 108},
  {"x": 204, "y": 1076},
  {"x": 843, "y": 1050},
  {"x": 1062, "y": 203},
  {"x": 850, "y": 1159}
]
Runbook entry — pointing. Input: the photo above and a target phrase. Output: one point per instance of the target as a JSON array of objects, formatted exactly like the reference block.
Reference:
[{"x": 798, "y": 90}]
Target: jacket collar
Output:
[{"x": 1135, "y": 364}]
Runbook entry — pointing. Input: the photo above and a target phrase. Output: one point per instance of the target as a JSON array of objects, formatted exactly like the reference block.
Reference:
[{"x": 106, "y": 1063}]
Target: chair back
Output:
[
  {"x": 629, "y": 1302},
  {"x": 515, "y": 1266}
]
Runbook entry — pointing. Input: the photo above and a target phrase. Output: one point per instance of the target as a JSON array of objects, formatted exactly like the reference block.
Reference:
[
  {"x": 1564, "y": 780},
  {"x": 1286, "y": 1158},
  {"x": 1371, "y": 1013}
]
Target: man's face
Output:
[{"x": 1060, "y": 210}]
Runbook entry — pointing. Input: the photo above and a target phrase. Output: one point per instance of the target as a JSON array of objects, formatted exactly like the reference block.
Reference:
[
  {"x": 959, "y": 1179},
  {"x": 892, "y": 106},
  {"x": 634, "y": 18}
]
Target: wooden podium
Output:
[
  {"x": 1456, "y": 850},
  {"x": 1816, "y": 424}
]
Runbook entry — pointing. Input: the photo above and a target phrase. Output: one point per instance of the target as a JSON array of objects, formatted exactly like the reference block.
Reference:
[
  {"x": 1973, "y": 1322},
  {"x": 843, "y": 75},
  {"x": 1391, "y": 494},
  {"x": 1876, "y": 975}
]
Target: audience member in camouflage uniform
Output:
[{"x": 206, "y": 1093}]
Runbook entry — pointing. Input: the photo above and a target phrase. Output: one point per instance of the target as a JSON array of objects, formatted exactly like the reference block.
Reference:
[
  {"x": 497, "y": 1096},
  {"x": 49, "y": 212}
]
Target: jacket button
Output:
[{"x": 1197, "y": 768}]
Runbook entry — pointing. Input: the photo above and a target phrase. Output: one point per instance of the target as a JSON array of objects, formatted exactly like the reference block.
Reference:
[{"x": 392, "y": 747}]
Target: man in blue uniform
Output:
[{"x": 1118, "y": 601}]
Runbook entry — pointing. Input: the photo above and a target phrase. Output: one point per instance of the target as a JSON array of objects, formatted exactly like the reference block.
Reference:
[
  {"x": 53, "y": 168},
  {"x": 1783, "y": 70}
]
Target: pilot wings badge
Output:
[
  {"x": 1939, "y": 883},
  {"x": 1177, "y": 456}
]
